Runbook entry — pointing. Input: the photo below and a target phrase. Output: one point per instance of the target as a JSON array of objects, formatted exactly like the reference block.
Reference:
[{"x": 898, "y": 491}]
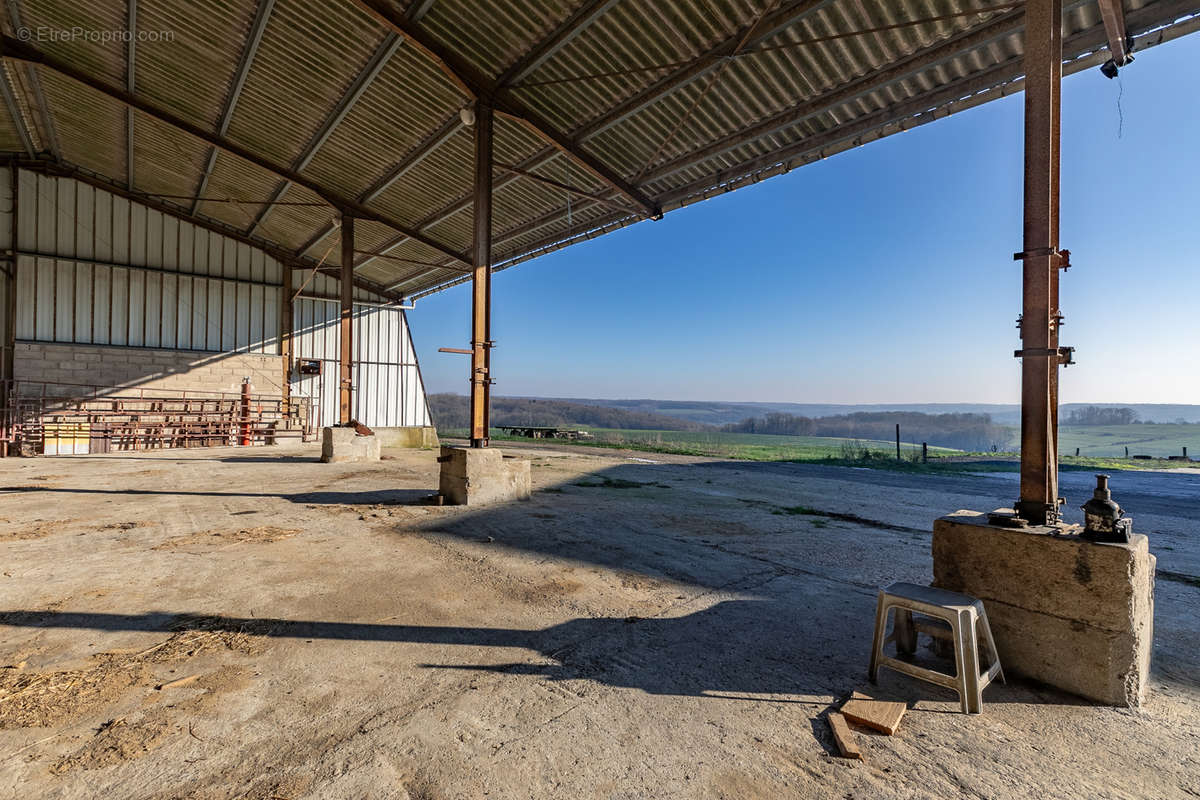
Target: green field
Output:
[
  {"x": 1110, "y": 441},
  {"x": 745, "y": 446},
  {"x": 1100, "y": 448}
]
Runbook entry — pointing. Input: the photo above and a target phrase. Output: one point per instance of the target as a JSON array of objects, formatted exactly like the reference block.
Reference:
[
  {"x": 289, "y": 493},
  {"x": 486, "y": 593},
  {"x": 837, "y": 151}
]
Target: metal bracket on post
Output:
[
  {"x": 1065, "y": 355},
  {"x": 1062, "y": 258}
]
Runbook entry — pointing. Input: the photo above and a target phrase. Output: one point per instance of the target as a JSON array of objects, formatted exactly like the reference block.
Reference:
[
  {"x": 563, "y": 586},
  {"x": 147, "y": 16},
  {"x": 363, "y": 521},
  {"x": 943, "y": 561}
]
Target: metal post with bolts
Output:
[
  {"x": 481, "y": 278},
  {"x": 1040, "y": 319}
]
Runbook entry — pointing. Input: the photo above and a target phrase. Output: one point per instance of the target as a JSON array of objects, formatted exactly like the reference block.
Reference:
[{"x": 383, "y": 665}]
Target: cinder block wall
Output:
[{"x": 175, "y": 370}]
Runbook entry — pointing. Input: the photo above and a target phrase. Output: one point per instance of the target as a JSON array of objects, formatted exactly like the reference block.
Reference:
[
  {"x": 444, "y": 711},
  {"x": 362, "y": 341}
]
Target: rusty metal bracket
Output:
[
  {"x": 1066, "y": 355},
  {"x": 1062, "y": 257}
]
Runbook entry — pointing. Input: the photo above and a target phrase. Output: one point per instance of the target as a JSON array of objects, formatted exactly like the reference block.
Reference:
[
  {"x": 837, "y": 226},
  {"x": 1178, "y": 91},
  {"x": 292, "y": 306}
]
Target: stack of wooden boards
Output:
[{"x": 881, "y": 715}]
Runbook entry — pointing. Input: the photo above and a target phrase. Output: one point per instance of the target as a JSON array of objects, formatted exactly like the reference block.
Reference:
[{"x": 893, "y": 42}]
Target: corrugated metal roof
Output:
[{"x": 678, "y": 99}]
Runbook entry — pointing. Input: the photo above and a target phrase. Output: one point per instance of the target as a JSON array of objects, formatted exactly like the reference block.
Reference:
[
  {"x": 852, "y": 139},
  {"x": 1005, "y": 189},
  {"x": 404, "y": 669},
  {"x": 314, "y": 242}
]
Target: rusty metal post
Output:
[
  {"x": 285, "y": 339},
  {"x": 10, "y": 325},
  {"x": 346, "y": 353},
  {"x": 245, "y": 409},
  {"x": 1040, "y": 356},
  {"x": 481, "y": 280}
]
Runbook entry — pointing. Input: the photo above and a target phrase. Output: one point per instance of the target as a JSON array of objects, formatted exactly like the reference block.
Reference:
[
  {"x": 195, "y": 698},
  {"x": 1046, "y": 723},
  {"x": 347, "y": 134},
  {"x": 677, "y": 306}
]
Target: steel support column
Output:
[
  {"x": 481, "y": 280},
  {"x": 9, "y": 351},
  {"x": 286, "y": 328},
  {"x": 1040, "y": 356},
  {"x": 346, "y": 353}
]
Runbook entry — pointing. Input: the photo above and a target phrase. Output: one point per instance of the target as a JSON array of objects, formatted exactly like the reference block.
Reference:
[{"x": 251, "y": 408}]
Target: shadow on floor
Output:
[
  {"x": 716, "y": 649},
  {"x": 732, "y": 648},
  {"x": 380, "y": 497}
]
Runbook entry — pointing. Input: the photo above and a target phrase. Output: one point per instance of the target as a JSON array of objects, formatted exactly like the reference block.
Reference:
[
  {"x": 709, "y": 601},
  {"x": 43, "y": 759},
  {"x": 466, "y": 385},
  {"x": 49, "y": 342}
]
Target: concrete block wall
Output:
[{"x": 139, "y": 367}]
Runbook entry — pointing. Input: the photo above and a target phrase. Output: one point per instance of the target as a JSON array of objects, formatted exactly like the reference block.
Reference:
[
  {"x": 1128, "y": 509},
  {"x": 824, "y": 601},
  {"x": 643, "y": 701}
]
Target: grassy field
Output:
[
  {"x": 1111, "y": 440},
  {"x": 1100, "y": 448},
  {"x": 745, "y": 446}
]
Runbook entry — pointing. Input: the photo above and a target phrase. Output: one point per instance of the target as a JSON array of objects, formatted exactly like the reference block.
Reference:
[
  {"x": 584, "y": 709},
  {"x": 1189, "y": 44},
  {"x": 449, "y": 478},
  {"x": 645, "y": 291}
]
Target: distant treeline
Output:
[
  {"x": 960, "y": 431},
  {"x": 1095, "y": 415},
  {"x": 453, "y": 411}
]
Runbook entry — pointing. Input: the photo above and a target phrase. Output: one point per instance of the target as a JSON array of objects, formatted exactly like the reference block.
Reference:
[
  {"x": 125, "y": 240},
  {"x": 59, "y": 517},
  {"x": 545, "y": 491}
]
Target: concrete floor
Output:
[{"x": 643, "y": 628}]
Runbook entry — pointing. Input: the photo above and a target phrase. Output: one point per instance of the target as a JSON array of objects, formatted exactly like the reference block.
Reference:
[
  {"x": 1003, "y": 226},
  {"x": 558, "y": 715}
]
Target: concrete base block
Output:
[
  {"x": 1064, "y": 611},
  {"x": 407, "y": 437},
  {"x": 475, "y": 477},
  {"x": 339, "y": 445}
]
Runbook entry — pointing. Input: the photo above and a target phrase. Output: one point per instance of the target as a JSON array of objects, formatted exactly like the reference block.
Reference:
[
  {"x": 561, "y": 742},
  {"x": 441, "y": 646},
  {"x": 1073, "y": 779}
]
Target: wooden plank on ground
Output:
[
  {"x": 844, "y": 737},
  {"x": 882, "y": 715}
]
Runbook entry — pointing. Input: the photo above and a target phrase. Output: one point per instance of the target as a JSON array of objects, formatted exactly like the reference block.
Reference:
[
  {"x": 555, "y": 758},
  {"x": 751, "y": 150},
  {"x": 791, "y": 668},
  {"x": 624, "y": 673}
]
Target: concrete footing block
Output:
[
  {"x": 408, "y": 436},
  {"x": 340, "y": 445},
  {"x": 480, "y": 476},
  {"x": 1067, "y": 612}
]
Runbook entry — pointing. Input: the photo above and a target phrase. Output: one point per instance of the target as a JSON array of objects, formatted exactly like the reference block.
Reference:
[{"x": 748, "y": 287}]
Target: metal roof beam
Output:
[
  {"x": 917, "y": 62},
  {"x": 130, "y": 80},
  {"x": 770, "y": 26},
  {"x": 14, "y": 111},
  {"x": 418, "y": 154},
  {"x": 574, "y": 25},
  {"x": 357, "y": 89},
  {"x": 476, "y": 85},
  {"x": 415, "y": 157},
  {"x": 1113, "y": 14},
  {"x": 419, "y": 9},
  {"x": 35, "y": 86},
  {"x": 464, "y": 202},
  {"x": 22, "y": 51},
  {"x": 261, "y": 17}
]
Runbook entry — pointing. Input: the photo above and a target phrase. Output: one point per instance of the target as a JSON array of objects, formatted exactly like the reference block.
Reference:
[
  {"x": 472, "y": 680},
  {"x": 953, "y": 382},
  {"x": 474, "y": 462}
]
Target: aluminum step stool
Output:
[{"x": 967, "y": 621}]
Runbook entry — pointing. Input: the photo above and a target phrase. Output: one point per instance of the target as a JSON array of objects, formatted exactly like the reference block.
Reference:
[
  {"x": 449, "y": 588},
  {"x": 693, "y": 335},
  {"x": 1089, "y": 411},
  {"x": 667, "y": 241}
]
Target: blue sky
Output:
[{"x": 882, "y": 275}]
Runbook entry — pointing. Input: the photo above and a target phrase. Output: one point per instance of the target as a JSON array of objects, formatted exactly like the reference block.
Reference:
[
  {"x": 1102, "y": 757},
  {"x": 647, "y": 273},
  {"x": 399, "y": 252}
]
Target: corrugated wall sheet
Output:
[
  {"x": 387, "y": 379},
  {"x": 7, "y": 286},
  {"x": 96, "y": 268}
]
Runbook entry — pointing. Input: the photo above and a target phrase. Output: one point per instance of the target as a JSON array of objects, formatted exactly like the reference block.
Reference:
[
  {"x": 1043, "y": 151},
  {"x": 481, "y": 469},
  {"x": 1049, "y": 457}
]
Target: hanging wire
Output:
[
  {"x": 313, "y": 273},
  {"x": 1120, "y": 113}
]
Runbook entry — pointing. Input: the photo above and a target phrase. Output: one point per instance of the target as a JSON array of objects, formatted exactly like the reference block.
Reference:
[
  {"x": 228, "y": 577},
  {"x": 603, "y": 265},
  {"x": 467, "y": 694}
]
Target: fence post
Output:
[{"x": 245, "y": 439}]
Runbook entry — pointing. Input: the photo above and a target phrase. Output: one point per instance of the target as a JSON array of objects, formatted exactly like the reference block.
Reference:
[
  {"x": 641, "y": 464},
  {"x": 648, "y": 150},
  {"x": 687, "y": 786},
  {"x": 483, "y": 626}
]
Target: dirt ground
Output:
[{"x": 217, "y": 624}]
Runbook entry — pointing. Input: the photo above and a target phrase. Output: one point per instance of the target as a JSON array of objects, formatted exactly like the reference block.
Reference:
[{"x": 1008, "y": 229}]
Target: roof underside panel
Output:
[
  {"x": 306, "y": 61},
  {"x": 679, "y": 99}
]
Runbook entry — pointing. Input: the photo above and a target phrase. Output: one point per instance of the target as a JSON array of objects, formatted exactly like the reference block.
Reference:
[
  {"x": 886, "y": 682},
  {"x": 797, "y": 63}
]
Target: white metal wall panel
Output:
[
  {"x": 80, "y": 281},
  {"x": 388, "y": 387},
  {"x": 96, "y": 268},
  {"x": 7, "y": 285}
]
